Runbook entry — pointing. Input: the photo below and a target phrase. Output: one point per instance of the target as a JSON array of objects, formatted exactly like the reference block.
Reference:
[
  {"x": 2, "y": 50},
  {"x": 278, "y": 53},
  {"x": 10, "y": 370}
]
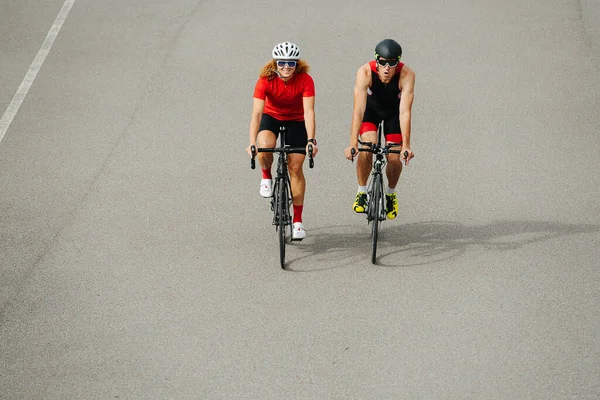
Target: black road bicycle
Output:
[
  {"x": 282, "y": 194},
  {"x": 376, "y": 207}
]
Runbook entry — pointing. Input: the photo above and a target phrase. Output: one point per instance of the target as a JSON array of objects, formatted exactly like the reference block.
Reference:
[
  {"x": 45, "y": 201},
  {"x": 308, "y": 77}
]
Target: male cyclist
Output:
[{"x": 384, "y": 91}]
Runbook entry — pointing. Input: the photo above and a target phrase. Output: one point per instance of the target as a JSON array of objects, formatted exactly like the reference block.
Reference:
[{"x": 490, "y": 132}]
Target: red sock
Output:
[
  {"x": 298, "y": 213},
  {"x": 266, "y": 173}
]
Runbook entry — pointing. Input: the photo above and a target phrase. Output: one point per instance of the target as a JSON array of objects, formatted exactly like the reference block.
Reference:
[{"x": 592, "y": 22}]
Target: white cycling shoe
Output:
[
  {"x": 298, "y": 233},
  {"x": 266, "y": 187}
]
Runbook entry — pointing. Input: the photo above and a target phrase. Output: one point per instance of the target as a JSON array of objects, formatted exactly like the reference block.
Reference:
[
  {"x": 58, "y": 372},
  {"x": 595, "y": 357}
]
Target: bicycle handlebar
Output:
[
  {"x": 281, "y": 149},
  {"x": 255, "y": 150},
  {"x": 384, "y": 149},
  {"x": 379, "y": 149},
  {"x": 252, "y": 160}
]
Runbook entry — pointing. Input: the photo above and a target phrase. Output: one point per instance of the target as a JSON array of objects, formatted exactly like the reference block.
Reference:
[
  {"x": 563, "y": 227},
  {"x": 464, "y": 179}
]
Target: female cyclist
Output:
[{"x": 284, "y": 95}]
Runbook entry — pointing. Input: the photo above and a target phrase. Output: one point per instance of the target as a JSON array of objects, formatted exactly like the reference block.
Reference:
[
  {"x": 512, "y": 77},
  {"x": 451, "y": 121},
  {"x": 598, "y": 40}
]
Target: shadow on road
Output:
[{"x": 421, "y": 243}]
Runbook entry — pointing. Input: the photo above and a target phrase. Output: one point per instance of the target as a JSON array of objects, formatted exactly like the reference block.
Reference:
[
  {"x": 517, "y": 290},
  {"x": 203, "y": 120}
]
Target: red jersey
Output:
[{"x": 283, "y": 100}]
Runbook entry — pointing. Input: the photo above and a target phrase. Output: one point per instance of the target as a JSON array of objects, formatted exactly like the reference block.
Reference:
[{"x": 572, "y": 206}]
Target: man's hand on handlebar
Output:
[
  {"x": 351, "y": 154},
  {"x": 407, "y": 154}
]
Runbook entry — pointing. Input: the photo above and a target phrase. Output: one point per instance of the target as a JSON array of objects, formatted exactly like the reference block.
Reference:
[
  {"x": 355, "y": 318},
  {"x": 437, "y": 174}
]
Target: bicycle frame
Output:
[
  {"x": 282, "y": 193},
  {"x": 380, "y": 153},
  {"x": 376, "y": 197},
  {"x": 282, "y": 179}
]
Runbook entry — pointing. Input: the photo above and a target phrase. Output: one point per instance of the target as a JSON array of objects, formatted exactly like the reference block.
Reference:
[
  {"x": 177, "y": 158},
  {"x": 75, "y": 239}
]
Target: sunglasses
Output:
[
  {"x": 391, "y": 63},
  {"x": 286, "y": 63}
]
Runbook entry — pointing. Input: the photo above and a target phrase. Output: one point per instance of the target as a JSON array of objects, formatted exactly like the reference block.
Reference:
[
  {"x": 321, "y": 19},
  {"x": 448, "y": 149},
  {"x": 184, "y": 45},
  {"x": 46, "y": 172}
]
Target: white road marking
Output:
[{"x": 19, "y": 96}]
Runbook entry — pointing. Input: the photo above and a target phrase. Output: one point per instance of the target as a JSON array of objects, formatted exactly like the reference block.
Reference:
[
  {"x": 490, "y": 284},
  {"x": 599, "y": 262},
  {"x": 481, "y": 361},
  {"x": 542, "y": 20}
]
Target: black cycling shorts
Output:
[
  {"x": 391, "y": 125},
  {"x": 295, "y": 135},
  {"x": 391, "y": 121}
]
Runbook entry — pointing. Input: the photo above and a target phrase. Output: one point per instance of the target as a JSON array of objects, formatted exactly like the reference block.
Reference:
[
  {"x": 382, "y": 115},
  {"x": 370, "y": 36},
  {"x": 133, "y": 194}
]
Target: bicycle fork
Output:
[
  {"x": 376, "y": 180},
  {"x": 275, "y": 199}
]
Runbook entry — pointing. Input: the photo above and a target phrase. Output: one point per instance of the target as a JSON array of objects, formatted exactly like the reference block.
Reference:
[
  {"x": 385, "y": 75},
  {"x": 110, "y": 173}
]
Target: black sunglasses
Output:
[
  {"x": 289, "y": 63},
  {"x": 384, "y": 62}
]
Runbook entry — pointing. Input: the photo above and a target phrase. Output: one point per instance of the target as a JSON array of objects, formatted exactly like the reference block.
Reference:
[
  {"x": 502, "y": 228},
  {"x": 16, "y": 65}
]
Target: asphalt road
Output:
[{"x": 137, "y": 259}]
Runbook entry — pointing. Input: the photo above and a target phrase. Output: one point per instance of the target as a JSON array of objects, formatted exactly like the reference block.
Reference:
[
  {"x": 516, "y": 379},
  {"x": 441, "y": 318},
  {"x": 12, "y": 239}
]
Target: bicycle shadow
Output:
[{"x": 423, "y": 243}]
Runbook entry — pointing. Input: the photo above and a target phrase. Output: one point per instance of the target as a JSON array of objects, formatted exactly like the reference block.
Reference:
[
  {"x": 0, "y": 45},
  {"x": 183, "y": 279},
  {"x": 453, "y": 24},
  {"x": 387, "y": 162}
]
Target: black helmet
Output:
[{"x": 388, "y": 48}]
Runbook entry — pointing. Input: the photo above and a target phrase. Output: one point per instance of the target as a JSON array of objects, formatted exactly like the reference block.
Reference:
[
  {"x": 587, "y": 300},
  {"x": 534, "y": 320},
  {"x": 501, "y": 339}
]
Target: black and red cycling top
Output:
[
  {"x": 283, "y": 100},
  {"x": 384, "y": 97}
]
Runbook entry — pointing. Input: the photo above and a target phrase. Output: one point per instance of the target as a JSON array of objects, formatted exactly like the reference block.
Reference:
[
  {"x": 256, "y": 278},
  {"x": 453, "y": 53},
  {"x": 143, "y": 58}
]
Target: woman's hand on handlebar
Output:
[
  {"x": 249, "y": 150},
  {"x": 315, "y": 149}
]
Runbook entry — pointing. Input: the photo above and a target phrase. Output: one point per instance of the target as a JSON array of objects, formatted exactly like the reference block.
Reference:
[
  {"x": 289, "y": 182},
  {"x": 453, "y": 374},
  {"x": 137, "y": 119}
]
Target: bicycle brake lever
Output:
[{"x": 252, "y": 160}]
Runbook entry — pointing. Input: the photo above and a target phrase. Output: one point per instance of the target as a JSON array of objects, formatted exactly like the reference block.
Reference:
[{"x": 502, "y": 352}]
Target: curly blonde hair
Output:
[{"x": 269, "y": 70}]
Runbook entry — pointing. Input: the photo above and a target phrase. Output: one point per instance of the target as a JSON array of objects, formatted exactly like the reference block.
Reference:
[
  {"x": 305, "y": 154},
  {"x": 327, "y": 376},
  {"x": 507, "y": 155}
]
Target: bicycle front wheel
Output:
[
  {"x": 375, "y": 204},
  {"x": 282, "y": 205}
]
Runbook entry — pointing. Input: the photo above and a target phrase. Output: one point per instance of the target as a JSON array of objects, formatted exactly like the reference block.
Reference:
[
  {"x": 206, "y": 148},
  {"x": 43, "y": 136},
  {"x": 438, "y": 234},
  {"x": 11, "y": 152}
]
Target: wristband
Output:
[{"x": 313, "y": 141}]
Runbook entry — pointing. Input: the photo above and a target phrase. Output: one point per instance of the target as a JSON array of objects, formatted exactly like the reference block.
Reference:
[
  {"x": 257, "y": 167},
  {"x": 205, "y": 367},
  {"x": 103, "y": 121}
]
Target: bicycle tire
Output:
[
  {"x": 282, "y": 207},
  {"x": 289, "y": 214},
  {"x": 369, "y": 205},
  {"x": 376, "y": 204},
  {"x": 273, "y": 201}
]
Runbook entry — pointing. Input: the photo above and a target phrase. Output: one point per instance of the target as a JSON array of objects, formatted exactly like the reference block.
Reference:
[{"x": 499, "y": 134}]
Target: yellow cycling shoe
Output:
[
  {"x": 360, "y": 204},
  {"x": 391, "y": 205}
]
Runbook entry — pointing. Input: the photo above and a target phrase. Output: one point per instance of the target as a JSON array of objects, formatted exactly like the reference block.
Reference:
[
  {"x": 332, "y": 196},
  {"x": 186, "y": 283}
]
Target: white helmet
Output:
[{"x": 286, "y": 51}]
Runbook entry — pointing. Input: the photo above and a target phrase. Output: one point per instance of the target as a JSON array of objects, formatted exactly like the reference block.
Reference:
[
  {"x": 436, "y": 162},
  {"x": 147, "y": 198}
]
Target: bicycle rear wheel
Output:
[
  {"x": 282, "y": 205},
  {"x": 375, "y": 204}
]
